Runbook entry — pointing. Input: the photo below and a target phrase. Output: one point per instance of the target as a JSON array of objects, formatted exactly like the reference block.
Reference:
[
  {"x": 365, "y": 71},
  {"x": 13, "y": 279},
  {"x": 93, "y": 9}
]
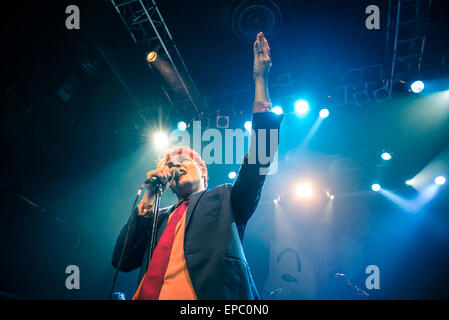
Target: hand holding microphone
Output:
[
  {"x": 161, "y": 178},
  {"x": 158, "y": 178}
]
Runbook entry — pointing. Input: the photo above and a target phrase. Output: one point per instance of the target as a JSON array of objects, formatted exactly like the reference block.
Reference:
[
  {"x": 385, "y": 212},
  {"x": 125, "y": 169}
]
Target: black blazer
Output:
[{"x": 214, "y": 230}]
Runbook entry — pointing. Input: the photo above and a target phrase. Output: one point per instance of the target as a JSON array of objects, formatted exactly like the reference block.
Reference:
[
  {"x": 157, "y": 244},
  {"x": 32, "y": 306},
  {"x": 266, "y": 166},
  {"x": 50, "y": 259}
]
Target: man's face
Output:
[{"x": 190, "y": 179}]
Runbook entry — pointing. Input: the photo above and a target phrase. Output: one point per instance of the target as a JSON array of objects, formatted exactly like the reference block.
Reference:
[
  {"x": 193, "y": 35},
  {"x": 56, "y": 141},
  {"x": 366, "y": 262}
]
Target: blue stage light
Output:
[
  {"x": 375, "y": 187},
  {"x": 301, "y": 108},
  {"x": 277, "y": 110},
  {"x": 182, "y": 126},
  {"x": 232, "y": 175},
  {"x": 440, "y": 180},
  {"x": 386, "y": 156},
  {"x": 417, "y": 86},
  {"x": 324, "y": 113}
]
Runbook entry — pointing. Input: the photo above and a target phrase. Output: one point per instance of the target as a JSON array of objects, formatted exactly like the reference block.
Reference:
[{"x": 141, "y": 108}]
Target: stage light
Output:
[
  {"x": 232, "y": 175},
  {"x": 375, "y": 187},
  {"x": 248, "y": 125},
  {"x": 408, "y": 182},
  {"x": 152, "y": 56},
  {"x": 417, "y": 86},
  {"x": 324, "y": 113},
  {"x": 277, "y": 200},
  {"x": 182, "y": 126},
  {"x": 277, "y": 110},
  {"x": 440, "y": 180},
  {"x": 160, "y": 140},
  {"x": 304, "y": 190},
  {"x": 332, "y": 197},
  {"x": 301, "y": 107},
  {"x": 386, "y": 156}
]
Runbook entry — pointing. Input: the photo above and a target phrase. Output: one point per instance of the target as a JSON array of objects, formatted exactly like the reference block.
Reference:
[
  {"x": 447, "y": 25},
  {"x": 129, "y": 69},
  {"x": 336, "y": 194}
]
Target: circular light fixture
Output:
[
  {"x": 440, "y": 180},
  {"x": 277, "y": 110},
  {"x": 301, "y": 107},
  {"x": 386, "y": 156},
  {"x": 248, "y": 125},
  {"x": 304, "y": 190},
  {"x": 324, "y": 113},
  {"x": 182, "y": 126},
  {"x": 160, "y": 140},
  {"x": 417, "y": 86},
  {"x": 152, "y": 56}
]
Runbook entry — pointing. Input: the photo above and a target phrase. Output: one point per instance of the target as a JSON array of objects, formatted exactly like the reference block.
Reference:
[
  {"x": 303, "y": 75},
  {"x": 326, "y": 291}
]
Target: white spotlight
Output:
[
  {"x": 304, "y": 190},
  {"x": 301, "y": 107},
  {"x": 277, "y": 110},
  {"x": 417, "y": 86},
  {"x": 248, "y": 125},
  {"x": 324, "y": 113},
  {"x": 386, "y": 156},
  {"x": 440, "y": 180},
  {"x": 232, "y": 175},
  {"x": 160, "y": 140},
  {"x": 375, "y": 187}
]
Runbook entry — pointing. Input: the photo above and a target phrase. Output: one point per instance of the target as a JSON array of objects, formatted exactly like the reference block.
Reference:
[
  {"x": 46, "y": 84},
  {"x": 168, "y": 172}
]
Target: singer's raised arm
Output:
[{"x": 247, "y": 187}]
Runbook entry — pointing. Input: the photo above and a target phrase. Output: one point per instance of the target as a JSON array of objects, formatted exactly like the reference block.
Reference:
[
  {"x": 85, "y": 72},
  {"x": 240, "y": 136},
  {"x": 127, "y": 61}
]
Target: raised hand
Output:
[{"x": 262, "y": 60}]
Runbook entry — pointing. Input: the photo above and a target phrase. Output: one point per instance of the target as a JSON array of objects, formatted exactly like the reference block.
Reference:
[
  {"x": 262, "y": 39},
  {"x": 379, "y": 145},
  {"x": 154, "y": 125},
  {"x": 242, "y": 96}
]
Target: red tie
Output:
[{"x": 154, "y": 277}]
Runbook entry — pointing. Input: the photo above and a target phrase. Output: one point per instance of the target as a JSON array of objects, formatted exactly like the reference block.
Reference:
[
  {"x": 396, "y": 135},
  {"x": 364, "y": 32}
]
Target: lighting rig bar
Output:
[
  {"x": 145, "y": 24},
  {"x": 405, "y": 44}
]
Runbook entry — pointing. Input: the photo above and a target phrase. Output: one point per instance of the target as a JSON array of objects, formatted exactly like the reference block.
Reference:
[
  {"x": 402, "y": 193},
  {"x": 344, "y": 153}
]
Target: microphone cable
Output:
[{"x": 114, "y": 280}]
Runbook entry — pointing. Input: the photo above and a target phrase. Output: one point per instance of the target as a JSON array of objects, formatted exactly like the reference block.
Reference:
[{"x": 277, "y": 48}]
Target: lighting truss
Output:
[
  {"x": 404, "y": 49},
  {"x": 145, "y": 24}
]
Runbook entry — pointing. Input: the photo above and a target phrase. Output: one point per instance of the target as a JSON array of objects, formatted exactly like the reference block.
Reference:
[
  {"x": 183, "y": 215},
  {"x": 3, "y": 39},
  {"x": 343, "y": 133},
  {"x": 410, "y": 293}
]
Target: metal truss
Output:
[
  {"x": 405, "y": 41},
  {"x": 146, "y": 25}
]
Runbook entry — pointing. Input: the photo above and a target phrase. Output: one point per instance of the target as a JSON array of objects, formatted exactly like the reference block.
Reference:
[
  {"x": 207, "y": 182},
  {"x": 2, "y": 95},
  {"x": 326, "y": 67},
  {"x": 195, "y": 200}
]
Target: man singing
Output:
[{"x": 198, "y": 252}]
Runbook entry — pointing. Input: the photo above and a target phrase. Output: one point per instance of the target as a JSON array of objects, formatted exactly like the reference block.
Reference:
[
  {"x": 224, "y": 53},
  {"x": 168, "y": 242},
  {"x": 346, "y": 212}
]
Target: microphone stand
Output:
[{"x": 158, "y": 193}]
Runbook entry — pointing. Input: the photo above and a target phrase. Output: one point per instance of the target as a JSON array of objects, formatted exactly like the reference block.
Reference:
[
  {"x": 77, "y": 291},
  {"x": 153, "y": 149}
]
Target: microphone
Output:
[
  {"x": 275, "y": 291},
  {"x": 156, "y": 181}
]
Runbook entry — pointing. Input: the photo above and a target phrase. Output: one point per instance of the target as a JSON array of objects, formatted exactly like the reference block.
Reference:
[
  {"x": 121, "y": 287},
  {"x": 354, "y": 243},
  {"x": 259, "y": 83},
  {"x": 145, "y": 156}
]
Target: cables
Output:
[{"x": 126, "y": 242}]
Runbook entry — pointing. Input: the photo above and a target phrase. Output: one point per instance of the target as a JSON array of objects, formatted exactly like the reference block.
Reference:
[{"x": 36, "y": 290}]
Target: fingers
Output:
[
  {"x": 261, "y": 47},
  {"x": 163, "y": 174},
  {"x": 256, "y": 48},
  {"x": 260, "y": 39},
  {"x": 258, "y": 44},
  {"x": 266, "y": 48}
]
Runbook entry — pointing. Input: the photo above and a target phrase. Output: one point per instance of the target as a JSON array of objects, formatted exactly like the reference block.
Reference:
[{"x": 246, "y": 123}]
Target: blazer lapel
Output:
[{"x": 193, "y": 200}]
